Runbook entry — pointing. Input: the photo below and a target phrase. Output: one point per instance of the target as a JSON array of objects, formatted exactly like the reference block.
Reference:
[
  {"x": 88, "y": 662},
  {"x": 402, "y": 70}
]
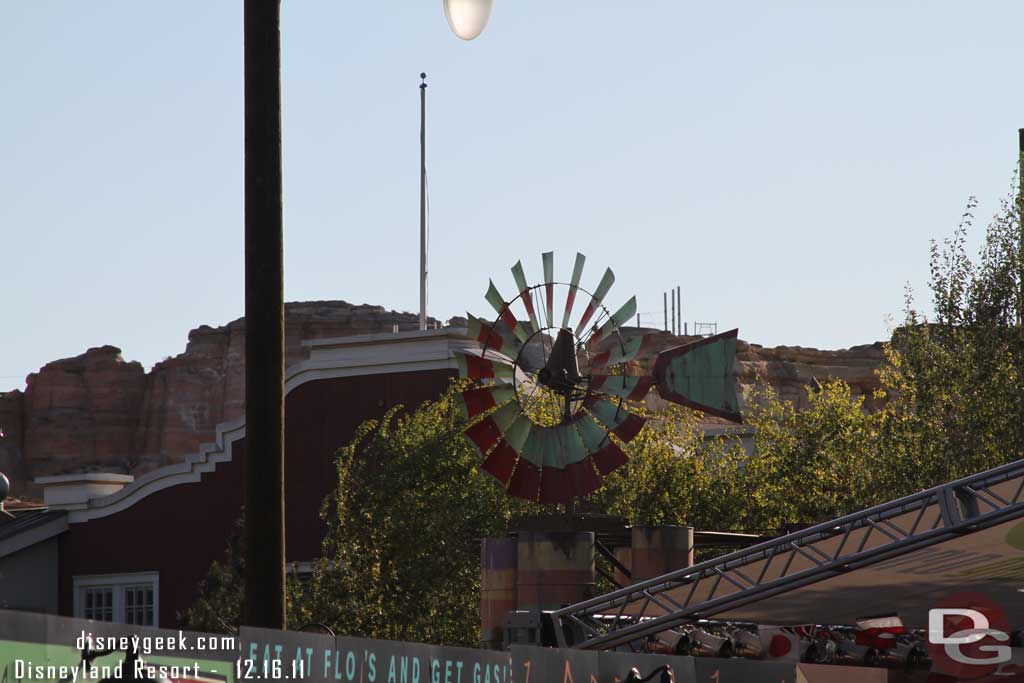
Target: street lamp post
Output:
[{"x": 264, "y": 604}]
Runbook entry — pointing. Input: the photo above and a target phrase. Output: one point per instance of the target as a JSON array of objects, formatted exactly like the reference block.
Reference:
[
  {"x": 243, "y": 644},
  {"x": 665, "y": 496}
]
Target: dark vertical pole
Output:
[
  {"x": 423, "y": 201},
  {"x": 664, "y": 302},
  {"x": 673, "y": 313},
  {"x": 264, "y": 319},
  {"x": 679, "y": 307}
]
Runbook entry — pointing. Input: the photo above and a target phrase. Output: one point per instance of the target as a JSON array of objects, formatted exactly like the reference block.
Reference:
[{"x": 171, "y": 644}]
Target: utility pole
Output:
[
  {"x": 264, "y": 604},
  {"x": 423, "y": 201},
  {"x": 664, "y": 301}
]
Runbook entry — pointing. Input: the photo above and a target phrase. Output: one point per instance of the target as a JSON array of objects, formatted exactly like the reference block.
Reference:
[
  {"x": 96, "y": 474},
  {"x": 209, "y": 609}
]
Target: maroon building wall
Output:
[{"x": 180, "y": 530}]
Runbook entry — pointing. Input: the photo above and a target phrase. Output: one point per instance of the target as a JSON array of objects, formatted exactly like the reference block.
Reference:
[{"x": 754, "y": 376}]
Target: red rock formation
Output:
[
  {"x": 80, "y": 413},
  {"x": 12, "y": 461},
  {"x": 99, "y": 412},
  {"x": 791, "y": 369}
]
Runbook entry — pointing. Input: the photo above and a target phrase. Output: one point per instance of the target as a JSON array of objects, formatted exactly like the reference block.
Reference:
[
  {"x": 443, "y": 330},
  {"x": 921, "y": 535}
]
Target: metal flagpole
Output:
[{"x": 423, "y": 201}]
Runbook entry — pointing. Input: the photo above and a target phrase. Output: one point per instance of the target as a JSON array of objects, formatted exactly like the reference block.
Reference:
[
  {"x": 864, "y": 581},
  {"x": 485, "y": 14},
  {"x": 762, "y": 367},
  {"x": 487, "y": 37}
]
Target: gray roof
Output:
[{"x": 30, "y": 527}]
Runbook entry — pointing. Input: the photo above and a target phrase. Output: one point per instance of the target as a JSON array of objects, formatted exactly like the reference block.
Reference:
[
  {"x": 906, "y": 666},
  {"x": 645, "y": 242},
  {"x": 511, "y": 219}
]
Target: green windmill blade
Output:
[
  {"x": 475, "y": 401},
  {"x": 474, "y": 366},
  {"x": 500, "y": 307},
  {"x": 701, "y": 375},
  {"x": 618, "y": 319},
  {"x": 622, "y": 351},
  {"x": 607, "y": 280},
  {"x": 574, "y": 285},
  {"x": 548, "y": 258},
  {"x": 569, "y": 444},
  {"x": 524, "y": 294},
  {"x": 518, "y": 431},
  {"x": 487, "y": 336},
  {"x": 594, "y": 436},
  {"x": 617, "y": 419},
  {"x": 629, "y": 387}
]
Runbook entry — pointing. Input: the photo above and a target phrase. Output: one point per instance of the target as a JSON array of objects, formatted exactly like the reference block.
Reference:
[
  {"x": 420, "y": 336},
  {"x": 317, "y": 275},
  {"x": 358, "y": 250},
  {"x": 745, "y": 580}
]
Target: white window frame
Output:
[{"x": 118, "y": 582}]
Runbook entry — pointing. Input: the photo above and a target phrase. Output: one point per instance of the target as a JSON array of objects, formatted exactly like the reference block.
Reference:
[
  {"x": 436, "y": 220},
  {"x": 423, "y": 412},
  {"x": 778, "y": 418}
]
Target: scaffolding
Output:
[{"x": 789, "y": 562}]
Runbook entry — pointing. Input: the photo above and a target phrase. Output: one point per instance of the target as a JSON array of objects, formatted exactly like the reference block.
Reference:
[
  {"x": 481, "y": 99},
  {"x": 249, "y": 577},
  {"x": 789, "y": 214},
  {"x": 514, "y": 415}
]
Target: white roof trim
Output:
[
  {"x": 33, "y": 535},
  {"x": 368, "y": 354},
  {"x": 92, "y": 477}
]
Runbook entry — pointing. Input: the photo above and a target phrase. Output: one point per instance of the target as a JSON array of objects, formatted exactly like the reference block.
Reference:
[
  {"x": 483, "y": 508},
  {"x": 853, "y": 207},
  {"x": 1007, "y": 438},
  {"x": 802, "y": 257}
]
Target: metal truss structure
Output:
[{"x": 789, "y": 562}]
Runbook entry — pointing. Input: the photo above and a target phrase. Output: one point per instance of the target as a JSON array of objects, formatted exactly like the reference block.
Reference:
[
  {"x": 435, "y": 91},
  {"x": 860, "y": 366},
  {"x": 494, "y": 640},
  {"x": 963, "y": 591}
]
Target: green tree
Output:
[
  {"x": 956, "y": 377},
  {"x": 401, "y": 556},
  {"x": 218, "y": 608}
]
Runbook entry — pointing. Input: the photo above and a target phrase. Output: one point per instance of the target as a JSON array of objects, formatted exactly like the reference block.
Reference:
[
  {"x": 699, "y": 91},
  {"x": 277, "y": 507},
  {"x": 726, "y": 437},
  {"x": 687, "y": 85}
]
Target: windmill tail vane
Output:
[{"x": 551, "y": 407}]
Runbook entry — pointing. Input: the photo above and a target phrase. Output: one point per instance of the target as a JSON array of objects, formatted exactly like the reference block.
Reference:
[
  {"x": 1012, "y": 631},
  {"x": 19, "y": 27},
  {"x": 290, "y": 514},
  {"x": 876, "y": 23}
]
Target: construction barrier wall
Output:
[{"x": 32, "y": 643}]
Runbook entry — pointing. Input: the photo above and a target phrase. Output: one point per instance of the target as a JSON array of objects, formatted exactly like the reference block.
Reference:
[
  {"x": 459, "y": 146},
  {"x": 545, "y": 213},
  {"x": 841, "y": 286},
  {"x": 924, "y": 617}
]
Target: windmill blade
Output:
[
  {"x": 486, "y": 433},
  {"x": 480, "y": 365},
  {"x": 574, "y": 284},
  {"x": 701, "y": 375},
  {"x": 501, "y": 462},
  {"x": 535, "y": 447},
  {"x": 548, "y": 258},
  {"x": 618, "y": 319},
  {"x": 619, "y": 421},
  {"x": 499, "y": 305},
  {"x": 574, "y": 481},
  {"x": 502, "y": 458},
  {"x": 555, "y": 485},
  {"x": 609, "y": 458},
  {"x": 576, "y": 477},
  {"x": 629, "y": 387},
  {"x": 594, "y": 436},
  {"x": 525, "y": 481},
  {"x": 584, "y": 478},
  {"x": 482, "y": 333},
  {"x": 557, "y": 447},
  {"x": 476, "y": 401},
  {"x": 623, "y": 351},
  {"x": 595, "y": 301},
  {"x": 515, "y": 426},
  {"x": 524, "y": 294}
]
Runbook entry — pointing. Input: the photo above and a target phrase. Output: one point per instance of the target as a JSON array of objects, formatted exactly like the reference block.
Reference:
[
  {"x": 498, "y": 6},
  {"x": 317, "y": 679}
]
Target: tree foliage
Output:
[
  {"x": 401, "y": 556},
  {"x": 957, "y": 376}
]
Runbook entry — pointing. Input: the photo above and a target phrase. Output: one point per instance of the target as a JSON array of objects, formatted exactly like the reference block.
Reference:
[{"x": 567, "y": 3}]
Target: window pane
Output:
[
  {"x": 135, "y": 602},
  {"x": 98, "y": 601}
]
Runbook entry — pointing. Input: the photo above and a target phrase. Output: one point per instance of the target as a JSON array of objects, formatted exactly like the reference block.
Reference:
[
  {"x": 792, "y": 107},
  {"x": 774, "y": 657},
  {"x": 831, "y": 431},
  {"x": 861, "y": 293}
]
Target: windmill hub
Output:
[{"x": 561, "y": 373}]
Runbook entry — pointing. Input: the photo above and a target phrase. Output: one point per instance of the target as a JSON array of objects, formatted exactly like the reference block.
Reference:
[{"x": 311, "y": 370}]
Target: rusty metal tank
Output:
[
  {"x": 554, "y": 568},
  {"x": 659, "y": 550},
  {"x": 498, "y": 562}
]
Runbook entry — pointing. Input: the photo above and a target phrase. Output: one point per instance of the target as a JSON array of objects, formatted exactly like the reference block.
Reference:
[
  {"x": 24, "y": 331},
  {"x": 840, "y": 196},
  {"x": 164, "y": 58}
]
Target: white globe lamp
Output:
[{"x": 467, "y": 18}]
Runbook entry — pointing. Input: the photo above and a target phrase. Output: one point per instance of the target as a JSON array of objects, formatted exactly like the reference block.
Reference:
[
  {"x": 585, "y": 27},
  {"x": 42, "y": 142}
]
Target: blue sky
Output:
[{"x": 785, "y": 163}]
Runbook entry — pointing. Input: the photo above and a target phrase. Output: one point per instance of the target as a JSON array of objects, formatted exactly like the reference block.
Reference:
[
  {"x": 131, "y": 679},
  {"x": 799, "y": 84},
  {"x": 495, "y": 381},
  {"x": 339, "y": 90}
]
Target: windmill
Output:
[{"x": 553, "y": 401}]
